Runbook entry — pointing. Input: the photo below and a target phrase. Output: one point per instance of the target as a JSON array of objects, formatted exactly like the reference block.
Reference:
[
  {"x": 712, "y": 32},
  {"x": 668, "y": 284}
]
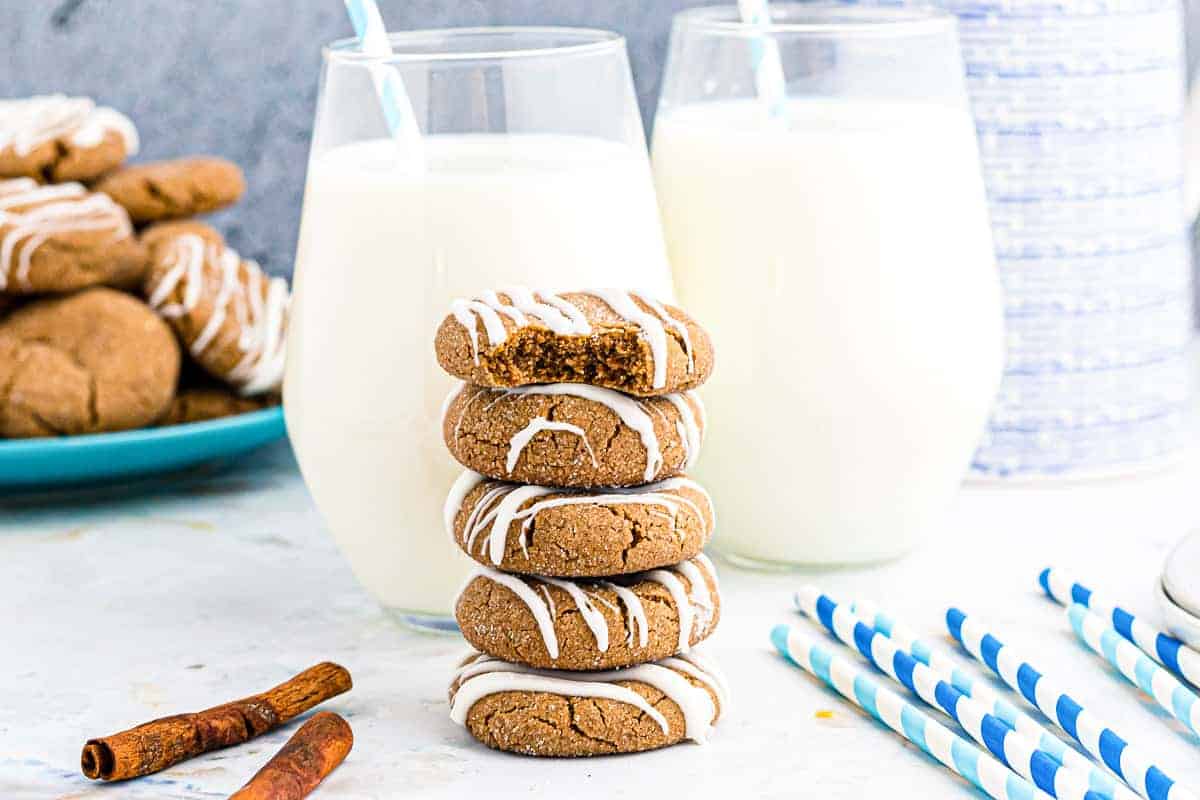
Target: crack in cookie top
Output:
[
  {"x": 194, "y": 265},
  {"x": 32, "y": 214},
  {"x": 503, "y": 503},
  {"x": 481, "y": 675},
  {"x": 525, "y": 307},
  {"x": 28, "y": 123}
]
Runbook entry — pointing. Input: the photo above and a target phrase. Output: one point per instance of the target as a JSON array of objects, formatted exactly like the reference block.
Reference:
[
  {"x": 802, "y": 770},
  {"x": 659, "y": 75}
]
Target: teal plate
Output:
[{"x": 108, "y": 457}]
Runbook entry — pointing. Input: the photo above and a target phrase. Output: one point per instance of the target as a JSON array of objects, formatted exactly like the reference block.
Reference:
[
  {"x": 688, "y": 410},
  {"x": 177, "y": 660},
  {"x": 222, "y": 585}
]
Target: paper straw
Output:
[
  {"x": 397, "y": 108},
  {"x": 767, "y": 63},
  {"x": 1063, "y": 710},
  {"x": 1162, "y": 647},
  {"x": 857, "y": 686},
  {"x": 1015, "y": 750},
  {"x": 1142, "y": 672},
  {"x": 980, "y": 691}
]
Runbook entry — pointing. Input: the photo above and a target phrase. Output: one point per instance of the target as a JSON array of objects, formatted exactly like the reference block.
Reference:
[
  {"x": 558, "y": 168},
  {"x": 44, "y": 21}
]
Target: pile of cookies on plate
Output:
[
  {"x": 118, "y": 310},
  {"x": 576, "y": 423}
]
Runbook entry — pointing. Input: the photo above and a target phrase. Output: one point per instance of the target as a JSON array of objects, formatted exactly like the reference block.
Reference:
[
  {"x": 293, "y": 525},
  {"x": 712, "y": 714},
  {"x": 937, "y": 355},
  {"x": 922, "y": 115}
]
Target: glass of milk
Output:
[
  {"x": 533, "y": 171},
  {"x": 837, "y": 245}
]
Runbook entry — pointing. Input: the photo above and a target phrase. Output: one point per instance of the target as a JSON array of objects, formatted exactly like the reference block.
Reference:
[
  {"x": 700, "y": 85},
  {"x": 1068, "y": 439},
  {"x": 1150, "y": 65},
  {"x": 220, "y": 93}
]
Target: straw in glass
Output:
[
  {"x": 767, "y": 63},
  {"x": 393, "y": 97}
]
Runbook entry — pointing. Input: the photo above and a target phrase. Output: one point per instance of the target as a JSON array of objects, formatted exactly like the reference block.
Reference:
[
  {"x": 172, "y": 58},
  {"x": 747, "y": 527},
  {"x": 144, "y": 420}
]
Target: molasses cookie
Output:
[
  {"x": 203, "y": 404},
  {"x": 155, "y": 236},
  {"x": 174, "y": 189},
  {"x": 556, "y": 623},
  {"x": 231, "y": 317},
  {"x": 567, "y": 434},
  {"x": 620, "y": 340},
  {"x": 94, "y": 361},
  {"x": 61, "y": 237},
  {"x": 538, "y": 713},
  {"x": 54, "y": 138},
  {"x": 573, "y": 533}
]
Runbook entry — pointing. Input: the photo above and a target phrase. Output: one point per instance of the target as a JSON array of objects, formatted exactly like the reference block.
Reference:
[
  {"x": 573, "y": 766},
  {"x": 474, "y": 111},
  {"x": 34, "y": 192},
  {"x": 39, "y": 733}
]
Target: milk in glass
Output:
[{"x": 383, "y": 251}]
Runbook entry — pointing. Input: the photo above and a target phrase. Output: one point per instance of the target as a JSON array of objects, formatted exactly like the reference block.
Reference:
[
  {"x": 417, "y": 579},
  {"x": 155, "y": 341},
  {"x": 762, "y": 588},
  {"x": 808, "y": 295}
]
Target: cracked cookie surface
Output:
[
  {"x": 563, "y": 533},
  {"x": 615, "y": 339},
  {"x": 572, "y": 435},
  {"x": 90, "y": 362},
  {"x": 54, "y": 138},
  {"x": 563, "y": 624},
  {"x": 165, "y": 190},
  {"x": 536, "y": 713}
]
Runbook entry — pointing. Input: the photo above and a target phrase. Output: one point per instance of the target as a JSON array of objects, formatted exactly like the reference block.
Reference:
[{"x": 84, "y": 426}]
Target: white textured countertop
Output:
[{"x": 186, "y": 594}]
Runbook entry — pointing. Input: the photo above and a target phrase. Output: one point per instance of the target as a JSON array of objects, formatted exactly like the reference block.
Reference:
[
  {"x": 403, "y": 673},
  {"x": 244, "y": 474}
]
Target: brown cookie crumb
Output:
[
  {"x": 606, "y": 633},
  {"x": 577, "y": 337},
  {"x": 586, "y": 534},
  {"x": 94, "y": 361},
  {"x": 570, "y": 435},
  {"x": 177, "y": 189}
]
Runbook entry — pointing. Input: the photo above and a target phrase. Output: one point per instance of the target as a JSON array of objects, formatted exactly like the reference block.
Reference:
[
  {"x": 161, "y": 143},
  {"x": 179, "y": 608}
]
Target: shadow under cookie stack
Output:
[{"x": 576, "y": 423}]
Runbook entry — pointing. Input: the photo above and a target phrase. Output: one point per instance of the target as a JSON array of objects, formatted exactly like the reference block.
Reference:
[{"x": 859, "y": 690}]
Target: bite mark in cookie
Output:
[
  {"x": 570, "y": 533},
  {"x": 166, "y": 190},
  {"x": 556, "y": 623},
  {"x": 55, "y": 138},
  {"x": 572, "y": 435},
  {"x": 538, "y": 713},
  {"x": 229, "y": 314},
  {"x": 62, "y": 237},
  {"x": 616, "y": 339}
]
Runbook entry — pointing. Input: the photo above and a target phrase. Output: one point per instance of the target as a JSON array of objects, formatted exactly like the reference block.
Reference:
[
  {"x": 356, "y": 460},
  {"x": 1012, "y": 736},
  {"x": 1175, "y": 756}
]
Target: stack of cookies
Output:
[
  {"x": 576, "y": 423},
  {"x": 110, "y": 292}
]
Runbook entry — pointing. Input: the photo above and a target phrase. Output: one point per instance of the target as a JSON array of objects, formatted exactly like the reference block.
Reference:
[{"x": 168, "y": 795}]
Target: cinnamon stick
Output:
[
  {"x": 313, "y": 752},
  {"x": 157, "y": 745}
]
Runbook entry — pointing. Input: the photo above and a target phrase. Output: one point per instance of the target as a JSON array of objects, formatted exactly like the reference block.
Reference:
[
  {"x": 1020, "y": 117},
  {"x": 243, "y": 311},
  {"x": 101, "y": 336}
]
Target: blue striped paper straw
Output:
[
  {"x": 397, "y": 108},
  {"x": 980, "y": 691},
  {"x": 766, "y": 61},
  {"x": 1162, "y": 647},
  {"x": 1131, "y": 662},
  {"x": 1016, "y": 751},
  {"x": 1063, "y": 710},
  {"x": 857, "y": 686}
]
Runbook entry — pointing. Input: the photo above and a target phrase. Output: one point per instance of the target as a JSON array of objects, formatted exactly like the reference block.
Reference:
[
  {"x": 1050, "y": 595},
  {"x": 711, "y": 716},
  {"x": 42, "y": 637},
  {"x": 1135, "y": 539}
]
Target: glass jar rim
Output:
[
  {"x": 822, "y": 19},
  {"x": 556, "y": 41}
]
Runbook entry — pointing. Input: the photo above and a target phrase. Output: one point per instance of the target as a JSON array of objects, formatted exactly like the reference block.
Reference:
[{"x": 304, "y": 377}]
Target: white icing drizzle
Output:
[
  {"x": 687, "y": 426},
  {"x": 709, "y": 568},
  {"x": 521, "y": 439},
  {"x": 676, "y": 325},
  {"x": 685, "y": 605},
  {"x": 549, "y": 599},
  {"x": 504, "y": 514},
  {"x": 480, "y": 516},
  {"x": 462, "y": 487},
  {"x": 483, "y": 675},
  {"x": 651, "y": 326},
  {"x": 28, "y": 123},
  {"x": 687, "y": 663},
  {"x": 47, "y": 211},
  {"x": 261, "y": 322}
]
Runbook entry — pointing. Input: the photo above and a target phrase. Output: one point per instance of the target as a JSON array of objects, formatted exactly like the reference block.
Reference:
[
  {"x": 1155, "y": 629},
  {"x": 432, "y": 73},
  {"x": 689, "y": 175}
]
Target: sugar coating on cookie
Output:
[
  {"x": 177, "y": 189},
  {"x": 55, "y": 138},
  {"x": 535, "y": 712},
  {"x": 95, "y": 361},
  {"x": 61, "y": 237},
  {"x": 572, "y": 435},
  {"x": 578, "y": 533},
  {"x": 559, "y": 623},
  {"x": 613, "y": 338},
  {"x": 231, "y": 317}
]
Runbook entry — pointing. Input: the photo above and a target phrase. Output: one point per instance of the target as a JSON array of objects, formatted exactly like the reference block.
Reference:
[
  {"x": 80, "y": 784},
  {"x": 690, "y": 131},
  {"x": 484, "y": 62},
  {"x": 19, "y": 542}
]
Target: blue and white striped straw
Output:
[
  {"x": 857, "y": 686},
  {"x": 1162, "y": 647},
  {"x": 767, "y": 63},
  {"x": 397, "y": 108},
  {"x": 1063, "y": 710},
  {"x": 978, "y": 690},
  {"x": 1015, "y": 750},
  {"x": 1139, "y": 670}
]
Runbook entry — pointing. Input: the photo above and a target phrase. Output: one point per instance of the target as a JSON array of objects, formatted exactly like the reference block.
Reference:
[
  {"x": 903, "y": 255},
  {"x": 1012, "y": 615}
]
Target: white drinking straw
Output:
[
  {"x": 397, "y": 108},
  {"x": 856, "y": 685},
  {"x": 767, "y": 62},
  {"x": 1139, "y": 670}
]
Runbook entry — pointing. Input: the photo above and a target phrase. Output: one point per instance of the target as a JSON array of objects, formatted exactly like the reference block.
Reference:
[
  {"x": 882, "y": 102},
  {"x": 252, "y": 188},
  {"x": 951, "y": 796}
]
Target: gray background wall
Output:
[{"x": 238, "y": 78}]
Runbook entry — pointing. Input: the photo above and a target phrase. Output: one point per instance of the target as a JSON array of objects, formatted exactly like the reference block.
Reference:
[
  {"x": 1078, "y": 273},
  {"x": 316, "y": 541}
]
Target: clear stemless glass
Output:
[
  {"x": 535, "y": 173},
  {"x": 837, "y": 245}
]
